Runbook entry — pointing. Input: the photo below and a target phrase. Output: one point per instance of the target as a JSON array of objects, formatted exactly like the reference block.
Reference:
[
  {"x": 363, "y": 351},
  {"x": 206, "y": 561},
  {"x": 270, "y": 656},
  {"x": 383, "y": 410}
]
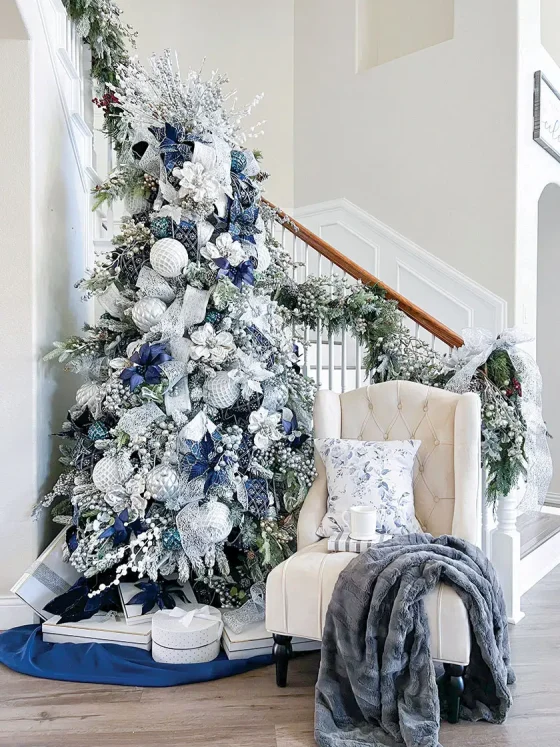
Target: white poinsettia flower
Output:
[
  {"x": 171, "y": 211},
  {"x": 197, "y": 182},
  {"x": 227, "y": 248},
  {"x": 264, "y": 427},
  {"x": 261, "y": 312},
  {"x": 248, "y": 374},
  {"x": 119, "y": 363},
  {"x": 211, "y": 346}
]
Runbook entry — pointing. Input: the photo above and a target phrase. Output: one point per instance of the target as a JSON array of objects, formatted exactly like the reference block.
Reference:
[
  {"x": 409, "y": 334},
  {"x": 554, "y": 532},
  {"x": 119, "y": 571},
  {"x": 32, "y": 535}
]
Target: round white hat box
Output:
[
  {"x": 173, "y": 642},
  {"x": 168, "y": 257}
]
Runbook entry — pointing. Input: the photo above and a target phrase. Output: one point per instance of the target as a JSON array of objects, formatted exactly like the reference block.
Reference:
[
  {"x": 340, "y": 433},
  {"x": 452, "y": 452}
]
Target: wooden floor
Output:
[{"x": 249, "y": 711}]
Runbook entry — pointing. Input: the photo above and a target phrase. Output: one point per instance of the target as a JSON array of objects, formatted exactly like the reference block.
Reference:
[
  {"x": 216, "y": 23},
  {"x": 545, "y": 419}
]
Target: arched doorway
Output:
[{"x": 548, "y": 319}]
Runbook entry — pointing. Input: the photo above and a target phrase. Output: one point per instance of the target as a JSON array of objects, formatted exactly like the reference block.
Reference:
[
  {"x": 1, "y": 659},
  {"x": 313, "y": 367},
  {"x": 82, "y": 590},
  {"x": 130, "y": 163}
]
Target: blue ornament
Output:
[
  {"x": 238, "y": 161},
  {"x": 212, "y": 316},
  {"x": 161, "y": 228},
  {"x": 171, "y": 539},
  {"x": 97, "y": 431}
]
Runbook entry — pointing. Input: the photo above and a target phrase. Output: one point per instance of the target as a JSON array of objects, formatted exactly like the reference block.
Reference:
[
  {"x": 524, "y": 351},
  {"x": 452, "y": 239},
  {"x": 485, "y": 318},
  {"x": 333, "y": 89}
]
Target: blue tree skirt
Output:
[{"x": 23, "y": 650}]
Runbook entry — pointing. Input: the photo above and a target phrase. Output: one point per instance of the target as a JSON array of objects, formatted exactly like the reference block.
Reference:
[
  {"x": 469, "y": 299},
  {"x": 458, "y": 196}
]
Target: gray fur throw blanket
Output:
[{"x": 377, "y": 682}]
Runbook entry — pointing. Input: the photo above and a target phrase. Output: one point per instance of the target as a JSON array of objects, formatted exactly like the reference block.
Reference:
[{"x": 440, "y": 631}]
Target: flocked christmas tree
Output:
[{"x": 187, "y": 451}]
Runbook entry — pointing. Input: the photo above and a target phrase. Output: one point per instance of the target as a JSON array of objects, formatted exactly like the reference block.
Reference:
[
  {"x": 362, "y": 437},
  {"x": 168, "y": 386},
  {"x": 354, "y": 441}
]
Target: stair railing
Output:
[{"x": 339, "y": 354}]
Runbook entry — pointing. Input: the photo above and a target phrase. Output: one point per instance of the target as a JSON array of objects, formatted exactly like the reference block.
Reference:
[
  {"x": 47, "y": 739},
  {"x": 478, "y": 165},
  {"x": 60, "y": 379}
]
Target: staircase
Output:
[{"x": 523, "y": 548}]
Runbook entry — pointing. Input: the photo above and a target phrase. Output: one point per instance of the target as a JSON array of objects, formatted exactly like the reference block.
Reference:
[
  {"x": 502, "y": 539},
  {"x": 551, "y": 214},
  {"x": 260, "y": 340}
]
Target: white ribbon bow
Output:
[
  {"x": 203, "y": 613},
  {"x": 479, "y": 345}
]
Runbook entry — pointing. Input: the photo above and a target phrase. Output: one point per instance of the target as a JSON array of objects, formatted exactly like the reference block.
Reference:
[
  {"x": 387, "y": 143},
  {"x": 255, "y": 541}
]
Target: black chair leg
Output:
[
  {"x": 455, "y": 686},
  {"x": 281, "y": 651}
]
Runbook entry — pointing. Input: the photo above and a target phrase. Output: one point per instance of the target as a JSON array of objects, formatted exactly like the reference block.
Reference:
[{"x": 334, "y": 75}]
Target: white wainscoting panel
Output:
[{"x": 435, "y": 286}]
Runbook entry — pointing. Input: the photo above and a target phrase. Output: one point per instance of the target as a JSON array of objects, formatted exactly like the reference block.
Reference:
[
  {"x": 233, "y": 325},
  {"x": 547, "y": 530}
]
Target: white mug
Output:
[{"x": 362, "y": 521}]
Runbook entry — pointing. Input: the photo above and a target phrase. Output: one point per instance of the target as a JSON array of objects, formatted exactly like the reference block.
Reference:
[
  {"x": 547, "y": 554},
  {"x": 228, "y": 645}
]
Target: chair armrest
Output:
[
  {"x": 467, "y": 513},
  {"x": 327, "y": 418},
  {"x": 312, "y": 512}
]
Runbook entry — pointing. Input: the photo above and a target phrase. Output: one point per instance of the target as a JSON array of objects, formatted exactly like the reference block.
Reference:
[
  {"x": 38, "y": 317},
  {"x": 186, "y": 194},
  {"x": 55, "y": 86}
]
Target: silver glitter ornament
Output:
[
  {"x": 163, "y": 483},
  {"x": 106, "y": 474},
  {"x": 221, "y": 391},
  {"x": 87, "y": 394},
  {"x": 146, "y": 312},
  {"x": 168, "y": 257}
]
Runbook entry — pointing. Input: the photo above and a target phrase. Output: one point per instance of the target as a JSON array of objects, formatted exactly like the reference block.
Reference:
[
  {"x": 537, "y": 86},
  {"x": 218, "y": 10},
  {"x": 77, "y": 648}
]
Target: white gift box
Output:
[
  {"x": 99, "y": 629},
  {"x": 47, "y": 578},
  {"x": 189, "y": 634},
  {"x": 133, "y": 612},
  {"x": 255, "y": 640}
]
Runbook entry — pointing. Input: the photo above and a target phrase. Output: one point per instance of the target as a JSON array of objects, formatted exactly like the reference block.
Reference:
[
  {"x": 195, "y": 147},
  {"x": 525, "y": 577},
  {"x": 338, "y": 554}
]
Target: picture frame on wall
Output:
[{"x": 546, "y": 115}]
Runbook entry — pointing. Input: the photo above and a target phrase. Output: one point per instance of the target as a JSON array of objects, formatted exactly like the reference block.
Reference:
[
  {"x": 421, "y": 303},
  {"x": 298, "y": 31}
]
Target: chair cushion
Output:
[
  {"x": 369, "y": 473},
  {"x": 298, "y": 592}
]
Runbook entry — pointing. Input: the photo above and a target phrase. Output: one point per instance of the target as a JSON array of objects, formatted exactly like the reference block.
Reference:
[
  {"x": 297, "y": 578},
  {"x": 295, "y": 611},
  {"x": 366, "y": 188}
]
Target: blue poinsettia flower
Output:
[
  {"x": 204, "y": 459},
  {"x": 76, "y": 604},
  {"x": 243, "y": 273},
  {"x": 121, "y": 530},
  {"x": 146, "y": 365},
  {"x": 160, "y": 593}
]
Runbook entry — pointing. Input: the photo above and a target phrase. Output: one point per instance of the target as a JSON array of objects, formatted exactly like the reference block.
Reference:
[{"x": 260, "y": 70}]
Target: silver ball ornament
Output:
[
  {"x": 146, "y": 312},
  {"x": 163, "y": 483},
  {"x": 221, "y": 391},
  {"x": 168, "y": 257},
  {"x": 106, "y": 474}
]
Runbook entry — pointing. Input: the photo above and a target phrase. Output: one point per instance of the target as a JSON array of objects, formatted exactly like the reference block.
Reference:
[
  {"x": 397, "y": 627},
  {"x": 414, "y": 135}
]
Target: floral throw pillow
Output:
[{"x": 376, "y": 473}]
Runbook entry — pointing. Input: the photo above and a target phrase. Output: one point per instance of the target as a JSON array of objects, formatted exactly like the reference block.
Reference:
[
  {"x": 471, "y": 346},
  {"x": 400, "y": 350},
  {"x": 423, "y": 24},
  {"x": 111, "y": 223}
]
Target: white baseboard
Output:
[
  {"x": 537, "y": 564},
  {"x": 432, "y": 284},
  {"x": 552, "y": 499},
  {"x": 14, "y": 612}
]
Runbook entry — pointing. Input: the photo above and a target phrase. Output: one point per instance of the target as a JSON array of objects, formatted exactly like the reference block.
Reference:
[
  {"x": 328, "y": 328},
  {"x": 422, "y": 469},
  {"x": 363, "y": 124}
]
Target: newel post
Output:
[{"x": 505, "y": 545}]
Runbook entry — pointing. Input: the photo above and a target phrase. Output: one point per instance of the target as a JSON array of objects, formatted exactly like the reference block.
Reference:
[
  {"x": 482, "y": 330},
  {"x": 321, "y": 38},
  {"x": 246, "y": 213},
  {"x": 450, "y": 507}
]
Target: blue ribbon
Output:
[{"x": 243, "y": 273}]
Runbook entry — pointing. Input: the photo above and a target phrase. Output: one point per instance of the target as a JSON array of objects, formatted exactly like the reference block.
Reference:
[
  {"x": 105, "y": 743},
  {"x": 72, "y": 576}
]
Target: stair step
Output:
[{"x": 536, "y": 528}]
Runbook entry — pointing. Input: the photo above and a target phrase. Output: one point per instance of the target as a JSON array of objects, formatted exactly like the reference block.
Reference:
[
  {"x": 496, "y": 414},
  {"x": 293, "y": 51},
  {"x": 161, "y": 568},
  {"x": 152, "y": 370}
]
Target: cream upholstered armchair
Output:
[{"x": 446, "y": 500}]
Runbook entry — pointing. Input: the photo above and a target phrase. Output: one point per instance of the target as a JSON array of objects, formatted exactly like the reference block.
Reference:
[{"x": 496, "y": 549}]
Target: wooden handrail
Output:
[{"x": 425, "y": 320}]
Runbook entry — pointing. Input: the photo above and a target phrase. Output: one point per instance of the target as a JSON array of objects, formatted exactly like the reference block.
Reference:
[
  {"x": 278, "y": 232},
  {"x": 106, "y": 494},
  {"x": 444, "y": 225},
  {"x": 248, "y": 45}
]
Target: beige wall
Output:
[
  {"x": 389, "y": 29},
  {"x": 550, "y": 28},
  {"x": 425, "y": 143},
  {"x": 250, "y": 40}
]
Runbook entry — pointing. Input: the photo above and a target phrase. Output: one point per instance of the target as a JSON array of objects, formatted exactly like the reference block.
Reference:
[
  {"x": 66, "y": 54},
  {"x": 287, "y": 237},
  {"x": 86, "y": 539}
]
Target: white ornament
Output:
[
  {"x": 197, "y": 182},
  {"x": 211, "y": 347},
  {"x": 146, "y": 312},
  {"x": 87, "y": 393},
  {"x": 264, "y": 427},
  {"x": 106, "y": 474},
  {"x": 215, "y": 521},
  {"x": 168, "y": 257},
  {"x": 162, "y": 482},
  {"x": 221, "y": 391}
]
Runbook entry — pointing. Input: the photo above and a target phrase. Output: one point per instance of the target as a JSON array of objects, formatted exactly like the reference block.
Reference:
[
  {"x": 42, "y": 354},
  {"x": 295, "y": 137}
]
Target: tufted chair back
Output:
[{"x": 447, "y": 469}]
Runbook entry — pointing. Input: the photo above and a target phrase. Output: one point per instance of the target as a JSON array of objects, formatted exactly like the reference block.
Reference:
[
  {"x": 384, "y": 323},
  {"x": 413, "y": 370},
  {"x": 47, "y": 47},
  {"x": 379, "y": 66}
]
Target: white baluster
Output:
[
  {"x": 331, "y": 341},
  {"x": 306, "y": 328},
  {"x": 433, "y": 342},
  {"x": 358, "y": 364},
  {"x": 505, "y": 544},
  {"x": 416, "y": 330},
  {"x": 319, "y": 345},
  {"x": 343, "y": 360}
]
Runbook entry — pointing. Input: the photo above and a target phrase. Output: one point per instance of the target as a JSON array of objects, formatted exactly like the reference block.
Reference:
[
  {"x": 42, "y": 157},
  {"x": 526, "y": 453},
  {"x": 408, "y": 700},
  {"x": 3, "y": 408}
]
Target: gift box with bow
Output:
[{"x": 186, "y": 635}]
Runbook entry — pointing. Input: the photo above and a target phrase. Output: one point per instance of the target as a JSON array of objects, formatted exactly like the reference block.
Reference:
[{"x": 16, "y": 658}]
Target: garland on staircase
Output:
[{"x": 392, "y": 352}]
